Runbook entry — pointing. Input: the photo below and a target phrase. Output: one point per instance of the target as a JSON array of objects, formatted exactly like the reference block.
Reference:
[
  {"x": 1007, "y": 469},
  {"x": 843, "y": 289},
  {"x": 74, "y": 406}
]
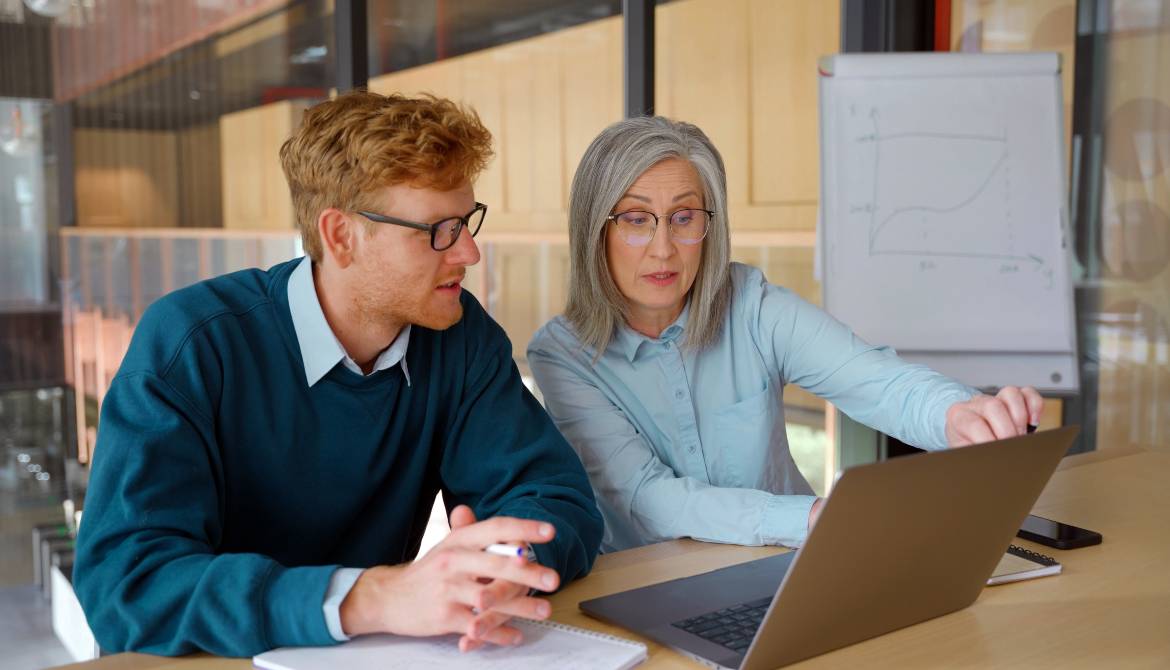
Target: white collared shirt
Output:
[{"x": 320, "y": 348}]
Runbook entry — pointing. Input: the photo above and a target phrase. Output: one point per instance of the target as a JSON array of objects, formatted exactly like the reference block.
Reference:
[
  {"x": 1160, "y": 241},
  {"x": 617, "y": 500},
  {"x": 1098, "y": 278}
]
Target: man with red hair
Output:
[{"x": 271, "y": 446}]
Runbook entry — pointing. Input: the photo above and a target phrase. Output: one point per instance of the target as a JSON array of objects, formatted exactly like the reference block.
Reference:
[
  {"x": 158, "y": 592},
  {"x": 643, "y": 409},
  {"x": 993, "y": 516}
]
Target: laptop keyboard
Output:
[{"x": 733, "y": 627}]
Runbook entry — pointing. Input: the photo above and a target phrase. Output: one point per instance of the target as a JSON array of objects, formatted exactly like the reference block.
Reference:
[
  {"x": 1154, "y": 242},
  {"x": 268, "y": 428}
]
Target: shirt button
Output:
[
  {"x": 679, "y": 394},
  {"x": 692, "y": 450}
]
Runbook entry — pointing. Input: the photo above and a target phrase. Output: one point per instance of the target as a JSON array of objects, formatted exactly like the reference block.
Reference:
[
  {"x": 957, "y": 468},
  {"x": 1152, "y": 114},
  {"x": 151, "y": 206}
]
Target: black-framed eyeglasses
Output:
[
  {"x": 687, "y": 226},
  {"x": 444, "y": 233}
]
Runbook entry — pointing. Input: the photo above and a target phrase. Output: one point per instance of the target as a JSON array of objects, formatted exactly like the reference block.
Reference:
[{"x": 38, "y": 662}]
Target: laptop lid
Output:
[
  {"x": 897, "y": 542},
  {"x": 903, "y": 541}
]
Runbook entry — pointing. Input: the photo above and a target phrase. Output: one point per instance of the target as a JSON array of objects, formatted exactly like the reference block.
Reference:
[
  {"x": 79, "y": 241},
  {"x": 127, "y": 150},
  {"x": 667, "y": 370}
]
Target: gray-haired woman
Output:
[{"x": 666, "y": 371}]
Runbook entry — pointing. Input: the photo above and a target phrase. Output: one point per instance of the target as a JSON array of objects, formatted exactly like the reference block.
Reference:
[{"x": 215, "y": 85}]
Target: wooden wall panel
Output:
[
  {"x": 200, "y": 181},
  {"x": 591, "y": 87},
  {"x": 126, "y": 178},
  {"x": 786, "y": 41},
  {"x": 518, "y": 140},
  {"x": 547, "y": 168},
  {"x": 705, "y": 78},
  {"x": 441, "y": 78},
  {"x": 255, "y": 193},
  {"x": 480, "y": 87}
]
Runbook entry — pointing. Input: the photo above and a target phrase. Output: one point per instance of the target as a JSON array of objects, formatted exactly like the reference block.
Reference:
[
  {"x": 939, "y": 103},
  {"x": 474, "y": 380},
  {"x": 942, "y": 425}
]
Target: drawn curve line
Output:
[
  {"x": 940, "y": 210},
  {"x": 942, "y": 136}
]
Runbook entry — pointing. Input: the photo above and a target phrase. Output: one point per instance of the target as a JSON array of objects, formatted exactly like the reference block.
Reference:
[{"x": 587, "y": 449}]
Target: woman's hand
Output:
[{"x": 986, "y": 418}]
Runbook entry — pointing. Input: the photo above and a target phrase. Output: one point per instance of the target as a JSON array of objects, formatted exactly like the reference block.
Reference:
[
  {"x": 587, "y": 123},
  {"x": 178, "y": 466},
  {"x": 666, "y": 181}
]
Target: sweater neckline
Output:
[{"x": 338, "y": 374}]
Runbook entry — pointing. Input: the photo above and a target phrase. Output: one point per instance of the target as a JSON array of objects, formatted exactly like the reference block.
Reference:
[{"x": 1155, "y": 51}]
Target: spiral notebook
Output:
[
  {"x": 546, "y": 645},
  {"x": 1020, "y": 563}
]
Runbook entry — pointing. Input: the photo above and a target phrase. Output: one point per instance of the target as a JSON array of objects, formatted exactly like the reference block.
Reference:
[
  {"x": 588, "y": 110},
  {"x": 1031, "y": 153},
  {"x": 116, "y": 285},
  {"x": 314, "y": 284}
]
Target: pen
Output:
[{"x": 507, "y": 550}]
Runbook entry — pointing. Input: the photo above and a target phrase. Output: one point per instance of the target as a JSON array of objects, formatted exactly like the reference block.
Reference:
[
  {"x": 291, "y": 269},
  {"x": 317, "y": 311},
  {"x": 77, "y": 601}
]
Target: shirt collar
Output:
[
  {"x": 629, "y": 341},
  {"x": 320, "y": 348}
]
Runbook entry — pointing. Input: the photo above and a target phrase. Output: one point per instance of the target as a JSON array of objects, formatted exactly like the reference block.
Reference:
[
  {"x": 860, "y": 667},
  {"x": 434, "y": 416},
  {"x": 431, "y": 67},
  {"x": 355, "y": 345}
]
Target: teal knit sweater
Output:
[{"x": 225, "y": 491}]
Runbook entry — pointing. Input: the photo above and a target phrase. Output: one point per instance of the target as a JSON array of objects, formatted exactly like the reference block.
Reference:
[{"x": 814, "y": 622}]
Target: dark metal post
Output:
[
  {"x": 887, "y": 25},
  {"x": 1087, "y": 167},
  {"x": 638, "y": 18},
  {"x": 350, "y": 41},
  {"x": 62, "y": 138},
  {"x": 860, "y": 28}
]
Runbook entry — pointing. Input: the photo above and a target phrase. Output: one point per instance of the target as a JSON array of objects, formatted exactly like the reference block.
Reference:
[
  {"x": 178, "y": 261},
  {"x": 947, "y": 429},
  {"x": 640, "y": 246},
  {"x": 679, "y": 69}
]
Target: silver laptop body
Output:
[{"x": 897, "y": 542}]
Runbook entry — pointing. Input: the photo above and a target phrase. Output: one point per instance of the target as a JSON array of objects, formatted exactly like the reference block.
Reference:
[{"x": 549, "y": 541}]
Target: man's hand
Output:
[
  {"x": 985, "y": 418},
  {"x": 487, "y": 622},
  {"x": 456, "y": 587}
]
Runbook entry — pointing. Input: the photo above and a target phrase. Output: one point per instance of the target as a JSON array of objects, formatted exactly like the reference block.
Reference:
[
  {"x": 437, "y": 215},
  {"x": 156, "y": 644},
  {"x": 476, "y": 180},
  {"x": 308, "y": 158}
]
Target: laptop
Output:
[{"x": 897, "y": 542}]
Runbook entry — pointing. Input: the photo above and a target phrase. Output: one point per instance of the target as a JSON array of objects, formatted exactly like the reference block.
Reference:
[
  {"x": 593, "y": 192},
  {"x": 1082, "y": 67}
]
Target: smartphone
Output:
[{"x": 1055, "y": 534}]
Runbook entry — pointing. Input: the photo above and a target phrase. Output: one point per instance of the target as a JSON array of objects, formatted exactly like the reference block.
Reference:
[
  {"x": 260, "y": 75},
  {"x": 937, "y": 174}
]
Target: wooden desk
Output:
[{"x": 1110, "y": 607}]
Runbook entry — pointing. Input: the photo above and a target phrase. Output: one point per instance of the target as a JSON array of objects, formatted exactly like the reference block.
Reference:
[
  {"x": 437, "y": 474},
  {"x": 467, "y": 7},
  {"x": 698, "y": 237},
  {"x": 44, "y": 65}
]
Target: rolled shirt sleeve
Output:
[
  {"x": 869, "y": 383},
  {"x": 340, "y": 584}
]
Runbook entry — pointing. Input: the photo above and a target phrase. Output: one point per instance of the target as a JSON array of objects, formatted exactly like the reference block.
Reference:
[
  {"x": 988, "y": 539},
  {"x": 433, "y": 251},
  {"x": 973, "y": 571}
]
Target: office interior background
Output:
[{"x": 138, "y": 154}]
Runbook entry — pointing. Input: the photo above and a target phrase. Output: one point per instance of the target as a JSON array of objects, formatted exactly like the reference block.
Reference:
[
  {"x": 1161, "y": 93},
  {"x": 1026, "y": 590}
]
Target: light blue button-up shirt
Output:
[
  {"x": 321, "y": 351},
  {"x": 685, "y": 443}
]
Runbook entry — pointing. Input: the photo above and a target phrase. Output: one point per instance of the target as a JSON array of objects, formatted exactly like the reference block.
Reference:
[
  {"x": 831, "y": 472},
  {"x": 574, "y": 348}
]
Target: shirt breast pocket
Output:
[{"x": 742, "y": 438}]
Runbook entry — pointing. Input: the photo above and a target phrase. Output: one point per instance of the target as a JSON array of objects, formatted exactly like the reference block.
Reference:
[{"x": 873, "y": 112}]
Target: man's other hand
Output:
[
  {"x": 456, "y": 587},
  {"x": 986, "y": 418}
]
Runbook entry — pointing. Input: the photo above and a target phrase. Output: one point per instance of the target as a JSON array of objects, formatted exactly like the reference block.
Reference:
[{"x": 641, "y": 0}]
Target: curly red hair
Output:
[{"x": 349, "y": 147}]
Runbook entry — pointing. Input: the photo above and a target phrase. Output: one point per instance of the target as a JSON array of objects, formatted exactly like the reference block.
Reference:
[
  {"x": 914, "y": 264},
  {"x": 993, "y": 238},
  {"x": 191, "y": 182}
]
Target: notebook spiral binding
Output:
[
  {"x": 1036, "y": 556},
  {"x": 584, "y": 632}
]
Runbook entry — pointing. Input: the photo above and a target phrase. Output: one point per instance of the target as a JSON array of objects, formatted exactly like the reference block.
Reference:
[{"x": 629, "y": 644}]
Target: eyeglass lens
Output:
[
  {"x": 447, "y": 231},
  {"x": 688, "y": 226}
]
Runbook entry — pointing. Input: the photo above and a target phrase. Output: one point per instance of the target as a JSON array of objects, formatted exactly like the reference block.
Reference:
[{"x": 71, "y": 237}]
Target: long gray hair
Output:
[{"x": 615, "y": 159}]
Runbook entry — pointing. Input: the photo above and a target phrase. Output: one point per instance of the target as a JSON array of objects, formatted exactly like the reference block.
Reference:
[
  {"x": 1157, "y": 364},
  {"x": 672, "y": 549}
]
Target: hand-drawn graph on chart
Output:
[{"x": 911, "y": 201}]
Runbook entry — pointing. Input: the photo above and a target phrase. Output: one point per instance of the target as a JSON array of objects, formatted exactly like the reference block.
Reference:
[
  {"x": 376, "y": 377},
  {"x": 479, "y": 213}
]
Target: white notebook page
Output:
[{"x": 545, "y": 646}]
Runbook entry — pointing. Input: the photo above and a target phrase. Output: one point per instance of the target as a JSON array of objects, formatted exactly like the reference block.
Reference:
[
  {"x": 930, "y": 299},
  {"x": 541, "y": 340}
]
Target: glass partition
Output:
[
  {"x": 1117, "y": 112},
  {"x": 24, "y": 271}
]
